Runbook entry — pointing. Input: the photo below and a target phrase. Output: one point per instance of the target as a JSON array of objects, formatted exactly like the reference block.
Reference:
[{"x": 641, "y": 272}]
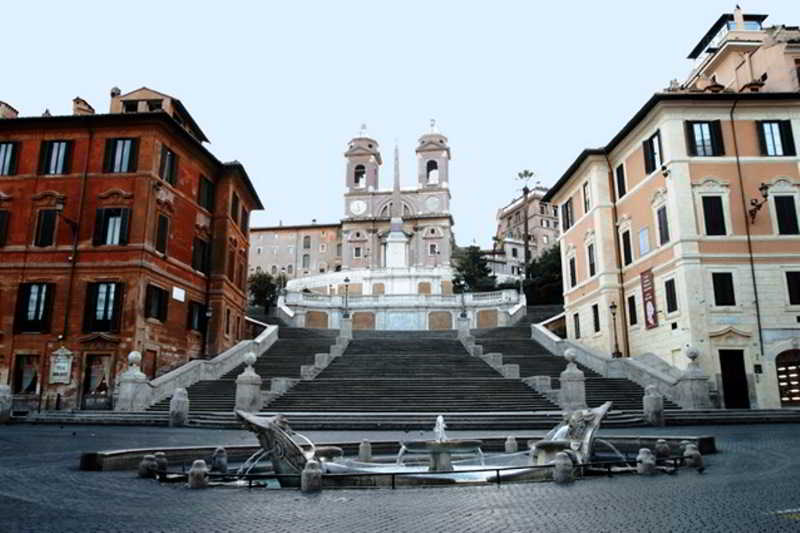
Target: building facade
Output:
[
  {"x": 683, "y": 229},
  {"x": 118, "y": 232}
]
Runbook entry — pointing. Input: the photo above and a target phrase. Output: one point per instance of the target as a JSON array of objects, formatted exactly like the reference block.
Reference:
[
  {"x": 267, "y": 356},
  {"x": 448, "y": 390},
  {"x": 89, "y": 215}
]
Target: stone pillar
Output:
[
  {"x": 179, "y": 408},
  {"x": 645, "y": 462},
  {"x": 198, "y": 475},
  {"x": 692, "y": 387},
  {"x": 365, "y": 451},
  {"x": 248, "y": 387},
  {"x": 462, "y": 323},
  {"x": 511, "y": 445},
  {"x": 572, "y": 394},
  {"x": 346, "y": 327},
  {"x": 311, "y": 477},
  {"x": 134, "y": 390},
  {"x": 653, "y": 406},
  {"x": 219, "y": 461},
  {"x": 6, "y": 404}
]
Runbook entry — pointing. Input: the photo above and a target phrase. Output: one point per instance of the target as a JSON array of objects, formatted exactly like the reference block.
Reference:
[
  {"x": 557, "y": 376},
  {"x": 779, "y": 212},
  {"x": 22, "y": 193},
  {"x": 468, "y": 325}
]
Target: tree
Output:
[
  {"x": 544, "y": 283},
  {"x": 472, "y": 271},
  {"x": 263, "y": 289}
]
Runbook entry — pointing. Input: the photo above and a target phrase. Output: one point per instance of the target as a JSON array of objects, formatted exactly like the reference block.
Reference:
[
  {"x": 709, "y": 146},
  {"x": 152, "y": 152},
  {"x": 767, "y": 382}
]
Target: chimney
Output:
[
  {"x": 81, "y": 107},
  {"x": 6, "y": 111},
  {"x": 115, "y": 92},
  {"x": 738, "y": 17}
]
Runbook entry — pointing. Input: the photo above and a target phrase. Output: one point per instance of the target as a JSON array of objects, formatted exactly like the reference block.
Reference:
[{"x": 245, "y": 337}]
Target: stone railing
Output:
[
  {"x": 517, "y": 313},
  {"x": 284, "y": 313},
  {"x": 480, "y": 299},
  {"x": 186, "y": 375}
]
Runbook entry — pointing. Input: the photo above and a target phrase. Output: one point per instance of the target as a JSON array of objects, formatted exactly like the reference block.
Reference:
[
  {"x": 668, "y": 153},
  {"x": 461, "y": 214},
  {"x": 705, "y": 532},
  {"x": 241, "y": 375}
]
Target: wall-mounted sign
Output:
[
  {"x": 61, "y": 366},
  {"x": 178, "y": 294},
  {"x": 649, "y": 300}
]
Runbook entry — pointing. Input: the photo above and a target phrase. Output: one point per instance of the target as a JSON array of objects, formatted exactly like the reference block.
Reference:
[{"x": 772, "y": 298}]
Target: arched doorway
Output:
[{"x": 787, "y": 365}]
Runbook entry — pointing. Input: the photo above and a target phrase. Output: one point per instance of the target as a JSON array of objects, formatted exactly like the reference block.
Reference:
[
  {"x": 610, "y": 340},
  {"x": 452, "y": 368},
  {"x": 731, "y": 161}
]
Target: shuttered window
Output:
[
  {"x": 196, "y": 316},
  {"x": 55, "y": 157},
  {"x": 653, "y": 155},
  {"x": 786, "y": 214},
  {"x": 45, "y": 227},
  {"x": 8, "y": 158},
  {"x": 627, "y": 254},
  {"x": 704, "y": 138},
  {"x": 103, "y": 307},
  {"x": 5, "y": 220},
  {"x": 672, "y": 296},
  {"x": 713, "y": 215},
  {"x": 576, "y": 320},
  {"x": 156, "y": 303},
  {"x": 590, "y": 256},
  {"x": 775, "y": 138},
  {"x": 632, "y": 318},
  {"x": 596, "y": 317},
  {"x": 723, "y": 288},
  {"x": 162, "y": 233},
  {"x": 121, "y": 155},
  {"x": 573, "y": 279},
  {"x": 663, "y": 225},
  {"x": 169, "y": 166},
  {"x": 235, "y": 208},
  {"x": 34, "y": 307},
  {"x": 111, "y": 226},
  {"x": 205, "y": 193},
  {"x": 621, "y": 189},
  {"x": 793, "y": 286},
  {"x": 201, "y": 255},
  {"x": 566, "y": 215}
]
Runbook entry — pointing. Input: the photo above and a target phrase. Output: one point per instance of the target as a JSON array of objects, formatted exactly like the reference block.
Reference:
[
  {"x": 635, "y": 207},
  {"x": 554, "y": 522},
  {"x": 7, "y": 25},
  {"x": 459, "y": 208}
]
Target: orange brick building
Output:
[{"x": 118, "y": 232}]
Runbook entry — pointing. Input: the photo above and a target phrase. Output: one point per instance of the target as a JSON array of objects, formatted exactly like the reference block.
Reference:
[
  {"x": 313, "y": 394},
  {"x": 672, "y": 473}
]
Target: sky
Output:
[{"x": 282, "y": 86}]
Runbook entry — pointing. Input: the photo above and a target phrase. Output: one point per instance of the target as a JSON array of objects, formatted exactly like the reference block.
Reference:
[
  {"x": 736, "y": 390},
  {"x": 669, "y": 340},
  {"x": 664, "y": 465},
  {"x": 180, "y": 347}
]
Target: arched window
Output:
[
  {"x": 274, "y": 269},
  {"x": 432, "y": 171},
  {"x": 787, "y": 365},
  {"x": 359, "y": 173},
  {"x": 306, "y": 243},
  {"x": 306, "y": 261}
]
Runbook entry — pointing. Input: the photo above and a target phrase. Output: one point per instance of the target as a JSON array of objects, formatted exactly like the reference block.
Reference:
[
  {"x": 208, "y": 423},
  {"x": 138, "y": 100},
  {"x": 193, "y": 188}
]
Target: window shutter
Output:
[
  {"x": 124, "y": 229},
  {"x": 162, "y": 165},
  {"x": 691, "y": 143},
  {"x": 12, "y": 167},
  {"x": 161, "y": 234},
  {"x": 45, "y": 228},
  {"x": 649, "y": 164},
  {"x": 108, "y": 158},
  {"x": 48, "y": 307},
  {"x": 44, "y": 155},
  {"x": 89, "y": 307},
  {"x": 4, "y": 218},
  {"x": 99, "y": 230},
  {"x": 22, "y": 302},
  {"x": 134, "y": 157},
  {"x": 787, "y": 139},
  {"x": 660, "y": 150},
  {"x": 717, "y": 143},
  {"x": 119, "y": 297},
  {"x": 67, "y": 157},
  {"x": 173, "y": 175},
  {"x": 163, "y": 301},
  {"x": 793, "y": 284},
  {"x": 714, "y": 217},
  {"x": 190, "y": 310},
  {"x": 786, "y": 213},
  {"x": 762, "y": 141},
  {"x": 148, "y": 301}
]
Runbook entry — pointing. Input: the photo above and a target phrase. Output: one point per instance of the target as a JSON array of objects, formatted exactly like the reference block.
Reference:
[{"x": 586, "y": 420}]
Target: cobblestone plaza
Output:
[{"x": 747, "y": 485}]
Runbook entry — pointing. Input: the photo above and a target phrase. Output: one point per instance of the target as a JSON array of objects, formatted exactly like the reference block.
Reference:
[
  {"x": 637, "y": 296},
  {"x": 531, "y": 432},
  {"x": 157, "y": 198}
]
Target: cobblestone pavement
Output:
[{"x": 755, "y": 475}]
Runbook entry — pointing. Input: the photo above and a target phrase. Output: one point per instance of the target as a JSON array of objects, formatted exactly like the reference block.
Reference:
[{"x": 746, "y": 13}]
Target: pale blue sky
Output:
[{"x": 282, "y": 86}]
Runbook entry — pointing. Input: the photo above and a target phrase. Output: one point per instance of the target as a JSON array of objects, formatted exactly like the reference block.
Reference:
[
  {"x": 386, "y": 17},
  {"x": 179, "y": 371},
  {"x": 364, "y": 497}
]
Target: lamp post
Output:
[
  {"x": 346, "y": 294},
  {"x": 756, "y": 204},
  {"x": 613, "y": 308},
  {"x": 463, "y": 306}
]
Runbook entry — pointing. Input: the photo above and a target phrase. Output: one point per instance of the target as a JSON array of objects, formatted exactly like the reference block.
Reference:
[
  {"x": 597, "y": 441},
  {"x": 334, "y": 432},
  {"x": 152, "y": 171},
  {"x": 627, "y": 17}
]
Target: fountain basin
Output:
[{"x": 441, "y": 452}]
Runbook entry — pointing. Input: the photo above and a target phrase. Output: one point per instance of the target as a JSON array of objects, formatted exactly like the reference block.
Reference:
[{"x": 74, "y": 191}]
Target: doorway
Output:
[
  {"x": 787, "y": 365},
  {"x": 735, "y": 391},
  {"x": 96, "y": 379}
]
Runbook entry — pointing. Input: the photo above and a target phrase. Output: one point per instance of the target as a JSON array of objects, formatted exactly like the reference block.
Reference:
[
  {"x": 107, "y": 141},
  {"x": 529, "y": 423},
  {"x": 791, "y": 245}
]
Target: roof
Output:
[
  {"x": 109, "y": 119},
  {"x": 178, "y": 104},
  {"x": 643, "y": 112},
  {"x": 718, "y": 25}
]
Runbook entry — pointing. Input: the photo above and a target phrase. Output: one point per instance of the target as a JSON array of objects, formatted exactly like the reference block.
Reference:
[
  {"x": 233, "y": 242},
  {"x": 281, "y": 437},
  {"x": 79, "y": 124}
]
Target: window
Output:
[
  {"x": 205, "y": 193},
  {"x": 121, "y": 155},
  {"x": 663, "y": 225},
  {"x": 704, "y": 138},
  {"x": 514, "y": 252},
  {"x": 587, "y": 198},
  {"x": 274, "y": 270},
  {"x": 290, "y": 269},
  {"x": 793, "y": 287},
  {"x": 545, "y": 239},
  {"x": 231, "y": 265},
  {"x": 196, "y": 316},
  {"x": 573, "y": 279},
  {"x": 644, "y": 241},
  {"x": 566, "y": 215},
  {"x": 54, "y": 157},
  {"x": 786, "y": 215},
  {"x": 306, "y": 261},
  {"x": 620, "y": 175},
  {"x": 358, "y": 175},
  {"x": 201, "y": 255},
  {"x": 34, "y": 307},
  {"x": 590, "y": 256},
  {"x": 130, "y": 106},
  {"x": 632, "y": 318},
  {"x": 306, "y": 243},
  {"x": 775, "y": 137},
  {"x": 235, "y": 208},
  {"x": 338, "y": 250},
  {"x": 432, "y": 171},
  {"x": 162, "y": 233},
  {"x": 576, "y": 321},
  {"x": 156, "y": 303},
  {"x": 433, "y": 249},
  {"x": 672, "y": 297},
  {"x": 26, "y": 374},
  {"x": 111, "y": 226},
  {"x": 244, "y": 221},
  {"x": 596, "y": 318},
  {"x": 323, "y": 248},
  {"x": 723, "y": 288},
  {"x": 227, "y": 322},
  {"x": 627, "y": 255},
  {"x": 652, "y": 153},
  {"x": 169, "y": 166},
  {"x": 103, "y": 307},
  {"x": 8, "y": 158},
  {"x": 357, "y": 251},
  {"x": 45, "y": 227},
  {"x": 5, "y": 219},
  {"x": 713, "y": 215}
]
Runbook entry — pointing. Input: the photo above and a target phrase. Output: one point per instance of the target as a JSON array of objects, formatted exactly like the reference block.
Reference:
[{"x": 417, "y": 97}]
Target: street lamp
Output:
[
  {"x": 346, "y": 294},
  {"x": 758, "y": 204},
  {"x": 73, "y": 226},
  {"x": 613, "y": 308}
]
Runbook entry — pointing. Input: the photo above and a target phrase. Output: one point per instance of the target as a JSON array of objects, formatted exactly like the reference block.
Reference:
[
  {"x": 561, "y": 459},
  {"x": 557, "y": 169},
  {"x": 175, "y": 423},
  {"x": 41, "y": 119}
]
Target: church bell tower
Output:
[
  {"x": 363, "y": 162},
  {"x": 433, "y": 158}
]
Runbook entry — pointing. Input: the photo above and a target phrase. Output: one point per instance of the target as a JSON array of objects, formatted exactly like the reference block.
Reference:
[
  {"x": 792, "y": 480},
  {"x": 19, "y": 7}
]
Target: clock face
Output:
[
  {"x": 432, "y": 203},
  {"x": 357, "y": 207}
]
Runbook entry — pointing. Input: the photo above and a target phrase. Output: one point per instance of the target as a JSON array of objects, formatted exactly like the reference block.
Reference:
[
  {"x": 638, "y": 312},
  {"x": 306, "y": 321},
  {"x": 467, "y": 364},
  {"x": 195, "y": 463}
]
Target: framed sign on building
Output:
[
  {"x": 649, "y": 300},
  {"x": 61, "y": 366}
]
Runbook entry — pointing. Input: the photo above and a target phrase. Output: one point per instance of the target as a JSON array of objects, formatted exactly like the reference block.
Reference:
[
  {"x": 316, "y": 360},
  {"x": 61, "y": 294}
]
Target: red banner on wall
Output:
[{"x": 649, "y": 300}]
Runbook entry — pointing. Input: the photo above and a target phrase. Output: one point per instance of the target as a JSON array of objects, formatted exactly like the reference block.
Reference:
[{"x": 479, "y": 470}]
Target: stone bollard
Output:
[
  {"x": 6, "y": 403},
  {"x": 219, "y": 461},
  {"x": 148, "y": 467},
  {"x": 563, "y": 472},
  {"x": 692, "y": 458},
  {"x": 572, "y": 394},
  {"x": 134, "y": 391},
  {"x": 365, "y": 451},
  {"x": 198, "y": 475},
  {"x": 645, "y": 462},
  {"x": 663, "y": 450},
  {"x": 511, "y": 445},
  {"x": 693, "y": 388},
  {"x": 311, "y": 477},
  {"x": 179, "y": 408},
  {"x": 462, "y": 324},
  {"x": 161, "y": 461},
  {"x": 248, "y": 387},
  {"x": 653, "y": 404}
]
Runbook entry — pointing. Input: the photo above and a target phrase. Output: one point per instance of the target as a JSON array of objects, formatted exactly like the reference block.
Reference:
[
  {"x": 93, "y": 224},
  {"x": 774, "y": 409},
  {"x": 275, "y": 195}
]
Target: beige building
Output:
[
  {"x": 683, "y": 229},
  {"x": 296, "y": 251}
]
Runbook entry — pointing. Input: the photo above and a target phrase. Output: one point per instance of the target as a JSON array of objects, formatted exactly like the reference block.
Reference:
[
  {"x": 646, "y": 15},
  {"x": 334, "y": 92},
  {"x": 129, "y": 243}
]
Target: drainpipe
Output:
[
  {"x": 623, "y": 304},
  {"x": 747, "y": 228}
]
